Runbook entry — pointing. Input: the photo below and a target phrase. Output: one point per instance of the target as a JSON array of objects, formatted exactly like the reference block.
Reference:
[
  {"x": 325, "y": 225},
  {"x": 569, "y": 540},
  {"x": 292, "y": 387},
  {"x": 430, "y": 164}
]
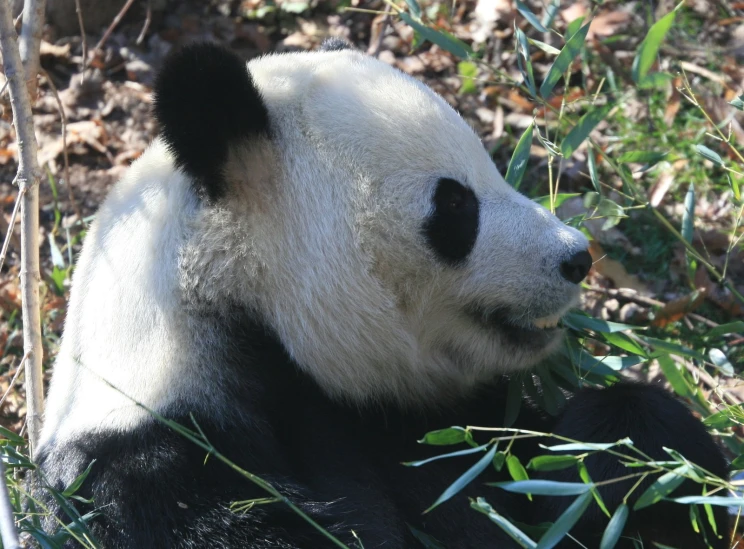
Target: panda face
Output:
[{"x": 370, "y": 230}]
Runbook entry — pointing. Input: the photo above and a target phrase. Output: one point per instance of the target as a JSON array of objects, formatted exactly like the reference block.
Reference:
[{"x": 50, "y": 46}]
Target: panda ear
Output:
[{"x": 205, "y": 101}]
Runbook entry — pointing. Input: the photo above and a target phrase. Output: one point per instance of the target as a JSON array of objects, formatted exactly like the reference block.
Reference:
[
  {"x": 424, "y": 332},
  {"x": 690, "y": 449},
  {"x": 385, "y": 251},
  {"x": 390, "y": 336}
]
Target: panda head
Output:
[{"x": 359, "y": 217}]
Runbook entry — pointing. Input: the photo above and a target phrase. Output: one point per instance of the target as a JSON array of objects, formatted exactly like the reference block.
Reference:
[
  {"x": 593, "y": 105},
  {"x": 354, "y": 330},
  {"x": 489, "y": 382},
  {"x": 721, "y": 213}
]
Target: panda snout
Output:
[{"x": 575, "y": 268}]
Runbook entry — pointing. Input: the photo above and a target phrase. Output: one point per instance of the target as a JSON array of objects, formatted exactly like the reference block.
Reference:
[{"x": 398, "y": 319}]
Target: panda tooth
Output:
[{"x": 546, "y": 322}]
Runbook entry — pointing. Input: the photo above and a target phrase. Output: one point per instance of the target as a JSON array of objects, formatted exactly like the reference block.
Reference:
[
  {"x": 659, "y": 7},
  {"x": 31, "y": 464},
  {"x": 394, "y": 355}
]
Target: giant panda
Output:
[{"x": 316, "y": 262}]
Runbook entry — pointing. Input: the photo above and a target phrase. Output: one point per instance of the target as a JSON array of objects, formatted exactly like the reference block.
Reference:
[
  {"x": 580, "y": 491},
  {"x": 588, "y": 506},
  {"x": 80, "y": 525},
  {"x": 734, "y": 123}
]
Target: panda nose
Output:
[{"x": 577, "y": 267}]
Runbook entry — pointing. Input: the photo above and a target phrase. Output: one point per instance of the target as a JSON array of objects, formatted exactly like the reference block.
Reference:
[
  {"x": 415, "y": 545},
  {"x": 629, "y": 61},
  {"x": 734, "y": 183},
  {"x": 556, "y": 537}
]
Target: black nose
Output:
[{"x": 577, "y": 267}]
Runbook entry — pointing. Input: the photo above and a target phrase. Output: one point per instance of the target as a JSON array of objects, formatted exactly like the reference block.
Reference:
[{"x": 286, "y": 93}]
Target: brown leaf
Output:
[
  {"x": 614, "y": 270},
  {"x": 678, "y": 308}
]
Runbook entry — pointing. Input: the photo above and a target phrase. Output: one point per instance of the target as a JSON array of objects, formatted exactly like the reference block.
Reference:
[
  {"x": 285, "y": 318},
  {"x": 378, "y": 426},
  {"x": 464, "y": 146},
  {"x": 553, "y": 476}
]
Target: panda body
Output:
[{"x": 317, "y": 262}]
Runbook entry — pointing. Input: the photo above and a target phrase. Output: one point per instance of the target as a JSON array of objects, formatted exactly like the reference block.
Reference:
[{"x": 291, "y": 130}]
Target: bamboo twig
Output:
[
  {"x": 28, "y": 183},
  {"x": 30, "y": 41}
]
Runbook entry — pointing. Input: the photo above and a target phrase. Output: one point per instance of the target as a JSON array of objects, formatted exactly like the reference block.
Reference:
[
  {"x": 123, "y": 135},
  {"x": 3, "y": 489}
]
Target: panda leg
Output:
[{"x": 653, "y": 419}]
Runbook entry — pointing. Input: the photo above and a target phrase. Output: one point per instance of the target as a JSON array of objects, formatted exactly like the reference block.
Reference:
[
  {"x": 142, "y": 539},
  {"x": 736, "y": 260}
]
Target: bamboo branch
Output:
[{"x": 28, "y": 183}]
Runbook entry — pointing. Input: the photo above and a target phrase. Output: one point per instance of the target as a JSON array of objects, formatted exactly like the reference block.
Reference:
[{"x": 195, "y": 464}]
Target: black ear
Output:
[
  {"x": 335, "y": 44},
  {"x": 205, "y": 100}
]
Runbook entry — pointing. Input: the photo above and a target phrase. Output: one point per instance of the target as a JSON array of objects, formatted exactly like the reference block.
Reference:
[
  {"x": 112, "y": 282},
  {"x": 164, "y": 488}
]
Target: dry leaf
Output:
[
  {"x": 614, "y": 270},
  {"x": 678, "y": 308}
]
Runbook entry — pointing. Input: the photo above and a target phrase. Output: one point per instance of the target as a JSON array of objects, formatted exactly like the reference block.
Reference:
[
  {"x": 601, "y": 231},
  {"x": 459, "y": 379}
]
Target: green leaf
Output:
[
  {"x": 675, "y": 376},
  {"x": 558, "y": 199},
  {"x": 579, "y": 321},
  {"x": 552, "y": 463},
  {"x": 512, "y": 531},
  {"x": 738, "y": 103},
  {"x": 662, "y": 487},
  {"x": 734, "y": 184},
  {"x": 655, "y": 81},
  {"x": 688, "y": 217},
  {"x": 467, "y": 71},
  {"x": 669, "y": 347},
  {"x": 444, "y": 437},
  {"x": 427, "y": 541},
  {"x": 519, "y": 159},
  {"x": 593, "y": 170},
  {"x": 414, "y": 8},
  {"x": 615, "y": 527},
  {"x": 586, "y": 446},
  {"x": 499, "y": 458},
  {"x": 738, "y": 463},
  {"x": 563, "y": 61},
  {"x": 513, "y": 401},
  {"x": 543, "y": 487},
  {"x": 581, "y": 131},
  {"x": 466, "y": 478},
  {"x": 642, "y": 157},
  {"x": 721, "y": 362},
  {"x": 574, "y": 26},
  {"x": 75, "y": 485},
  {"x": 565, "y": 522},
  {"x": 649, "y": 48},
  {"x": 547, "y": 48},
  {"x": 516, "y": 469},
  {"x": 464, "y": 452},
  {"x": 736, "y": 327},
  {"x": 524, "y": 61},
  {"x": 724, "y": 419},
  {"x": 13, "y": 438},
  {"x": 584, "y": 475},
  {"x": 710, "y": 154},
  {"x": 444, "y": 40},
  {"x": 622, "y": 341},
  {"x": 530, "y": 17},
  {"x": 725, "y": 501}
]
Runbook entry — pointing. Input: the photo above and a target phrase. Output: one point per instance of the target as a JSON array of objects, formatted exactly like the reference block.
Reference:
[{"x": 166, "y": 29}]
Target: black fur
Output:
[
  {"x": 452, "y": 228},
  {"x": 342, "y": 466},
  {"x": 335, "y": 44},
  {"x": 205, "y": 100}
]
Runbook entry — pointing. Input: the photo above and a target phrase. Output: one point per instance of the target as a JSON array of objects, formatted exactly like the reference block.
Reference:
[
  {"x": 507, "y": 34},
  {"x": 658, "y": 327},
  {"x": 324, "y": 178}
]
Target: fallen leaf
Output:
[
  {"x": 614, "y": 270},
  {"x": 678, "y": 308}
]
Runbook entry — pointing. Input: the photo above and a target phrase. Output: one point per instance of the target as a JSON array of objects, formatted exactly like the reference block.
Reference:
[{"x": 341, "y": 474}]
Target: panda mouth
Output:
[{"x": 537, "y": 332}]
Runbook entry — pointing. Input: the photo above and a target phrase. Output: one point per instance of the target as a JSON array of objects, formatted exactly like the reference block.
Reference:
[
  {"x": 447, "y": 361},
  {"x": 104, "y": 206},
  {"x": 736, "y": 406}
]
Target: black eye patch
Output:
[{"x": 452, "y": 228}]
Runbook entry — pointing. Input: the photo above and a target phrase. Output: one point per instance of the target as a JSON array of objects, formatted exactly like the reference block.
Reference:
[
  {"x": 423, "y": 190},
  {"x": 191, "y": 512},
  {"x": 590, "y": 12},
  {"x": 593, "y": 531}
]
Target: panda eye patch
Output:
[{"x": 452, "y": 227}]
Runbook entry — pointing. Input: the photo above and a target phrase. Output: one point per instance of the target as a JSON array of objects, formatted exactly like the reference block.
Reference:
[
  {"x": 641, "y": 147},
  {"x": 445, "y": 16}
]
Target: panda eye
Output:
[{"x": 452, "y": 229}]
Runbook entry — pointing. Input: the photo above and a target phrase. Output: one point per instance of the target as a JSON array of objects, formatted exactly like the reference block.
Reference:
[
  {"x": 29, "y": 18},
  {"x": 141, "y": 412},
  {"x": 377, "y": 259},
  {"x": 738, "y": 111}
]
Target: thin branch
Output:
[
  {"x": 28, "y": 182},
  {"x": 12, "y": 381},
  {"x": 114, "y": 24},
  {"x": 65, "y": 155},
  {"x": 11, "y": 225},
  {"x": 82, "y": 37},
  {"x": 146, "y": 26},
  {"x": 7, "y": 522}
]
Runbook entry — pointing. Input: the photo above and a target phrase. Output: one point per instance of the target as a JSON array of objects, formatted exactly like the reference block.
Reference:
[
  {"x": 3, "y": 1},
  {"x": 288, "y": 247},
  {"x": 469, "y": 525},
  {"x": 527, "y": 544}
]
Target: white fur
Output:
[{"x": 322, "y": 235}]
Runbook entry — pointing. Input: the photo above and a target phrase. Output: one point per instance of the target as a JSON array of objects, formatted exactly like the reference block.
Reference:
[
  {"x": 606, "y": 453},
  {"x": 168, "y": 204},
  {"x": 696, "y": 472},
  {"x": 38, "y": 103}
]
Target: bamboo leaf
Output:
[
  {"x": 710, "y": 154},
  {"x": 519, "y": 159},
  {"x": 444, "y": 40},
  {"x": 688, "y": 217},
  {"x": 543, "y": 487},
  {"x": 530, "y": 17},
  {"x": 649, "y": 48},
  {"x": 662, "y": 487},
  {"x": 563, "y": 61},
  {"x": 615, "y": 527},
  {"x": 552, "y": 463},
  {"x": 513, "y": 532},
  {"x": 466, "y": 478},
  {"x": 565, "y": 522},
  {"x": 581, "y": 131}
]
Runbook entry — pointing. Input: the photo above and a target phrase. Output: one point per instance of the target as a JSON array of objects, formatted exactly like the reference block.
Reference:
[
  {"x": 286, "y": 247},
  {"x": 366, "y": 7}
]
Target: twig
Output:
[
  {"x": 28, "y": 179},
  {"x": 11, "y": 225},
  {"x": 7, "y": 522},
  {"x": 375, "y": 52},
  {"x": 706, "y": 378},
  {"x": 65, "y": 155},
  {"x": 30, "y": 41},
  {"x": 114, "y": 24},
  {"x": 82, "y": 37},
  {"x": 146, "y": 26},
  {"x": 12, "y": 381}
]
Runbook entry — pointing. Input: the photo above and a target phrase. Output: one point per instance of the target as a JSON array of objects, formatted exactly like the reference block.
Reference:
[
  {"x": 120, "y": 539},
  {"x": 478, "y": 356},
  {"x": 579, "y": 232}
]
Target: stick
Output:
[
  {"x": 82, "y": 37},
  {"x": 113, "y": 25},
  {"x": 28, "y": 183},
  {"x": 11, "y": 225},
  {"x": 7, "y": 523},
  {"x": 30, "y": 42}
]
